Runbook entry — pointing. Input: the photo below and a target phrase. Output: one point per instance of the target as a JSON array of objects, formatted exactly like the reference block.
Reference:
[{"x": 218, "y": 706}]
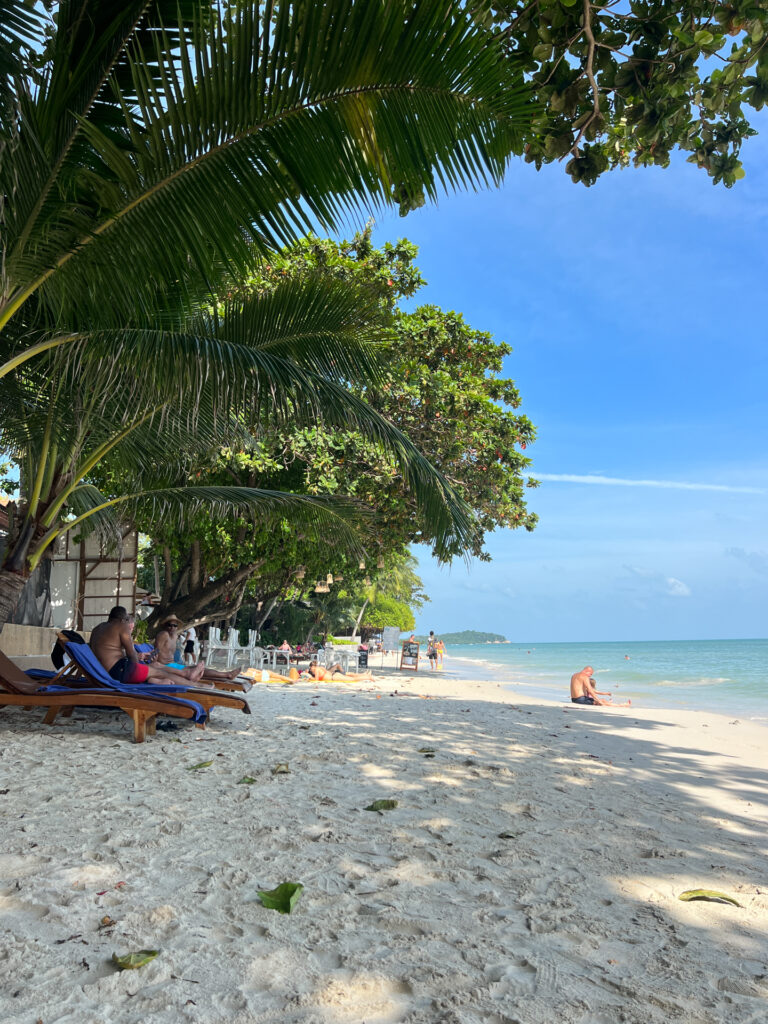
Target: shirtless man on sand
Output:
[
  {"x": 166, "y": 642},
  {"x": 112, "y": 643},
  {"x": 583, "y": 690}
]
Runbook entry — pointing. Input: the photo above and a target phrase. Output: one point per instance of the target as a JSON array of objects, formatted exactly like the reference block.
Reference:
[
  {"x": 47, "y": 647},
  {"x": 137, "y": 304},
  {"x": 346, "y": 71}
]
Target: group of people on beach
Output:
[{"x": 112, "y": 643}]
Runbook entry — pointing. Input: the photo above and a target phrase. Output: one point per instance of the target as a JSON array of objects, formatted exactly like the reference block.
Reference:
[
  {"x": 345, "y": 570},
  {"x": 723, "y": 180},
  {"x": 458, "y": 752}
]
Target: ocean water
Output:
[{"x": 729, "y": 676}]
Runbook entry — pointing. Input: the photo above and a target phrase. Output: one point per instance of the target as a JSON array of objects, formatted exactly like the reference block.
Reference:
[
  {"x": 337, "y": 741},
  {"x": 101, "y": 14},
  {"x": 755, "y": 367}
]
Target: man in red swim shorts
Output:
[{"x": 112, "y": 643}]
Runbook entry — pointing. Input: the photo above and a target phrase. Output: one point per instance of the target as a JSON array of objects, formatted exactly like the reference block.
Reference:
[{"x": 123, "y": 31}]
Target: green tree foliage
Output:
[
  {"x": 387, "y": 611},
  {"x": 151, "y": 153},
  {"x": 621, "y": 83},
  {"x": 444, "y": 390},
  {"x": 441, "y": 384}
]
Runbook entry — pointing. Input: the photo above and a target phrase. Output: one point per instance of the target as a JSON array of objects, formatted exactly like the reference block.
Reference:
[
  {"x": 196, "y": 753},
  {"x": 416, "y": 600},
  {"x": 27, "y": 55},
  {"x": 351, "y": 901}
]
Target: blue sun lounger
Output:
[{"x": 86, "y": 663}]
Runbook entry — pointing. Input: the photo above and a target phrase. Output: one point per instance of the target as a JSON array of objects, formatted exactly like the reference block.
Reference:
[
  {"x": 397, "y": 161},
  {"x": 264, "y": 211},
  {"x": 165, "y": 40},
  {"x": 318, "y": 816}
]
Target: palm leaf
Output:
[
  {"x": 342, "y": 520},
  {"x": 20, "y": 33},
  {"x": 248, "y": 134}
]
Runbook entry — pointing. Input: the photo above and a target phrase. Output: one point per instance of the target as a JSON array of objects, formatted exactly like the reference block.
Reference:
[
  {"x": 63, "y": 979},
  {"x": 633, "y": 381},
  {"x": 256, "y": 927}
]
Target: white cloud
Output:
[
  {"x": 676, "y": 588},
  {"x": 657, "y": 583},
  {"x": 616, "y": 481}
]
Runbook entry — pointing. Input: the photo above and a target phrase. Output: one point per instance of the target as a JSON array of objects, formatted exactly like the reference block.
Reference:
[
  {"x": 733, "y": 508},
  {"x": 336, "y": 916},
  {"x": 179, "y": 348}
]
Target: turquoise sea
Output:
[{"x": 729, "y": 676}]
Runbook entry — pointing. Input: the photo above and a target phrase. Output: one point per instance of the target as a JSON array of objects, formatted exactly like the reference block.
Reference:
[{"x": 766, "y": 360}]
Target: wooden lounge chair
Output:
[
  {"x": 17, "y": 689},
  {"x": 85, "y": 663}
]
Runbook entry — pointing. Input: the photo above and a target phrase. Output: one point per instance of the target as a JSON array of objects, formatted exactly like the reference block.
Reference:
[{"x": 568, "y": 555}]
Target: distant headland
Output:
[{"x": 468, "y": 636}]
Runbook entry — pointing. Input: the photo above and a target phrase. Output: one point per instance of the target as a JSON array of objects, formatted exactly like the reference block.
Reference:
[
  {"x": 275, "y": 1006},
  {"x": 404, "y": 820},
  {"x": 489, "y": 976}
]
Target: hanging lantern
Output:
[
  {"x": 329, "y": 578},
  {"x": 367, "y": 581},
  {"x": 319, "y": 587},
  {"x": 301, "y": 572},
  {"x": 380, "y": 564},
  {"x": 259, "y": 606},
  {"x": 338, "y": 579},
  {"x": 362, "y": 565}
]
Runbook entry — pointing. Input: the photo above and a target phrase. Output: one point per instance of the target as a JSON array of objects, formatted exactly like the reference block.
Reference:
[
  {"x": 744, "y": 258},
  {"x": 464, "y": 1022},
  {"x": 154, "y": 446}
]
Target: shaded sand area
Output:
[{"x": 529, "y": 874}]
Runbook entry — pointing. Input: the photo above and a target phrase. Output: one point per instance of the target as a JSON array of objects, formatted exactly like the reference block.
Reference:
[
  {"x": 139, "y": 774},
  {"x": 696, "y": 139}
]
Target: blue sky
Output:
[{"x": 637, "y": 317}]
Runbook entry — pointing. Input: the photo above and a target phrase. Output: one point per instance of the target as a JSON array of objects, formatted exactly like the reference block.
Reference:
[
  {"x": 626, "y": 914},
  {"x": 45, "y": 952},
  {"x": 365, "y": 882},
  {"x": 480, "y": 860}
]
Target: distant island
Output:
[{"x": 468, "y": 636}]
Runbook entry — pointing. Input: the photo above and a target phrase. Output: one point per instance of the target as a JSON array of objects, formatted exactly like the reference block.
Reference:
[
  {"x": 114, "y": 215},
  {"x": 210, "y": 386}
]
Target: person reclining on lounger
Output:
[
  {"x": 583, "y": 690},
  {"x": 166, "y": 642},
  {"x": 112, "y": 643},
  {"x": 321, "y": 672}
]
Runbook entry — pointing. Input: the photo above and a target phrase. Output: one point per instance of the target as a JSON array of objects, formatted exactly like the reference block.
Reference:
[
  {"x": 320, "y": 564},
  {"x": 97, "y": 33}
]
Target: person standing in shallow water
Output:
[
  {"x": 432, "y": 650},
  {"x": 583, "y": 690},
  {"x": 440, "y": 653}
]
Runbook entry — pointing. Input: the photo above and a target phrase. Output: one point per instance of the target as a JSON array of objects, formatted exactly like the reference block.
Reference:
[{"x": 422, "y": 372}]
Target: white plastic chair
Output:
[
  {"x": 234, "y": 649},
  {"x": 214, "y": 644},
  {"x": 281, "y": 659},
  {"x": 257, "y": 657}
]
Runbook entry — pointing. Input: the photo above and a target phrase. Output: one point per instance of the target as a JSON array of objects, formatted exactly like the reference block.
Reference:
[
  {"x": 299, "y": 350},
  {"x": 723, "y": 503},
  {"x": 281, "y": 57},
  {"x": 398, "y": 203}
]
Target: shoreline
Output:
[
  {"x": 530, "y": 872},
  {"x": 455, "y": 684}
]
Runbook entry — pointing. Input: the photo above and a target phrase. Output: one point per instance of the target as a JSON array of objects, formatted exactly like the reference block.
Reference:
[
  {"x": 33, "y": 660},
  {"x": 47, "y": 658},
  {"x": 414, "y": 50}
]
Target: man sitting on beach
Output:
[
  {"x": 167, "y": 641},
  {"x": 583, "y": 690},
  {"x": 112, "y": 643}
]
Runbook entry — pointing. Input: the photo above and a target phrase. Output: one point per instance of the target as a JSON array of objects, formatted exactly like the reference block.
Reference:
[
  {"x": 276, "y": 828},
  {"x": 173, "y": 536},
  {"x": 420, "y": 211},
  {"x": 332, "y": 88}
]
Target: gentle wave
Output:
[
  {"x": 692, "y": 682},
  {"x": 699, "y": 674}
]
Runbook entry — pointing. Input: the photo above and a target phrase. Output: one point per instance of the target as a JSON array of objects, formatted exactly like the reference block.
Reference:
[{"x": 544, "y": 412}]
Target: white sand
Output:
[{"x": 420, "y": 914}]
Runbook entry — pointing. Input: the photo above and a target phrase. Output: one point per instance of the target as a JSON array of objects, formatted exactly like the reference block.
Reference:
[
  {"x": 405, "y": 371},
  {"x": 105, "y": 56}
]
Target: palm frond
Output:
[
  {"x": 21, "y": 27},
  {"x": 342, "y": 520},
  {"x": 247, "y": 134}
]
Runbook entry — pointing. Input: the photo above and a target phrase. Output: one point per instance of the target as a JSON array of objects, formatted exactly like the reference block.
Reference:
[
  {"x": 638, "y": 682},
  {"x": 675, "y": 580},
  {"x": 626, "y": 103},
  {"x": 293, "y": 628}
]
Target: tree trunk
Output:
[
  {"x": 11, "y": 586},
  {"x": 267, "y": 613},
  {"x": 359, "y": 619},
  {"x": 195, "y": 579},
  {"x": 168, "y": 571},
  {"x": 195, "y": 608},
  {"x": 13, "y": 574}
]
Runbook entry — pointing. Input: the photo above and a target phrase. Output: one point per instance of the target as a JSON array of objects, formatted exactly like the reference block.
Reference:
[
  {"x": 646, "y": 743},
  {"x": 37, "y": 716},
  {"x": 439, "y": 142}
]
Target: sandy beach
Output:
[{"x": 529, "y": 874}]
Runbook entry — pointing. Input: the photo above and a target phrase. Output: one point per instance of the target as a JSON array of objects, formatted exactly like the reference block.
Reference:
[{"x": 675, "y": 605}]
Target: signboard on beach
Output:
[
  {"x": 390, "y": 638},
  {"x": 409, "y": 656}
]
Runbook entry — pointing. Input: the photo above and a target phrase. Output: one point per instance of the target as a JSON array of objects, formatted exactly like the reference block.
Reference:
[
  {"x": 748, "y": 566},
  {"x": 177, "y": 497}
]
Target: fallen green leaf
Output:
[
  {"x": 283, "y": 898},
  {"x": 131, "y": 961},
  {"x": 247, "y": 779},
  {"x": 196, "y": 767},
  {"x": 427, "y": 750},
  {"x": 281, "y": 769},
  {"x": 711, "y": 895},
  {"x": 382, "y": 805}
]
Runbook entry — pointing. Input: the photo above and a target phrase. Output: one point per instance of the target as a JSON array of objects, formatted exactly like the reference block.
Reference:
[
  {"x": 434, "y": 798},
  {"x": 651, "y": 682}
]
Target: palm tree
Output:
[
  {"x": 289, "y": 353},
  {"x": 150, "y": 152}
]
